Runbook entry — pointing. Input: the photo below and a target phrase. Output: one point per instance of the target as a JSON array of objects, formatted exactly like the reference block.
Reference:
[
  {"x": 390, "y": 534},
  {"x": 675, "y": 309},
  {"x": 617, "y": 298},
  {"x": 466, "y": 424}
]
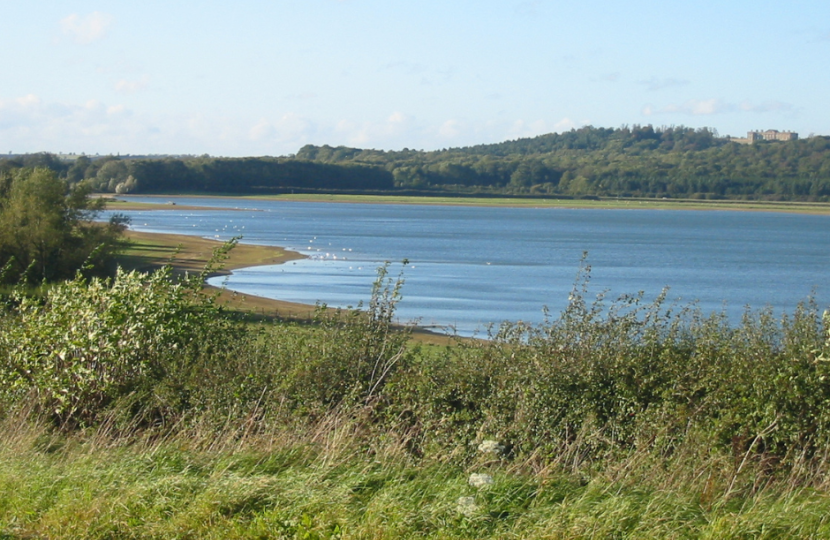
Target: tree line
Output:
[
  {"x": 636, "y": 161},
  {"x": 112, "y": 174}
]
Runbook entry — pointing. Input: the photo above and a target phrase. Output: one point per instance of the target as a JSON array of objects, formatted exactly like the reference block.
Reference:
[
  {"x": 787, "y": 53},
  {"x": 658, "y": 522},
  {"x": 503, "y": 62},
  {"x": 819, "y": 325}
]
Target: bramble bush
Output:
[{"x": 87, "y": 343}]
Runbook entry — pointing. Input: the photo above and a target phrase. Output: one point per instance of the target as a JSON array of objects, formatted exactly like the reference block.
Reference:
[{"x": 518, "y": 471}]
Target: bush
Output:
[
  {"x": 631, "y": 375},
  {"x": 87, "y": 343}
]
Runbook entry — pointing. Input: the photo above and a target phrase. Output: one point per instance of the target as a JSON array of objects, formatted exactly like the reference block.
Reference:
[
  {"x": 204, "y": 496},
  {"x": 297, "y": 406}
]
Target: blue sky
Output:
[{"x": 266, "y": 77}]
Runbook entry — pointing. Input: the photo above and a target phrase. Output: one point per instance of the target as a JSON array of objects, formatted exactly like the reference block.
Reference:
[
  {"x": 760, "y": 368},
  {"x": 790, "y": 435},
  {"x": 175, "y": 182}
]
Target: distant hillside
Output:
[{"x": 637, "y": 161}]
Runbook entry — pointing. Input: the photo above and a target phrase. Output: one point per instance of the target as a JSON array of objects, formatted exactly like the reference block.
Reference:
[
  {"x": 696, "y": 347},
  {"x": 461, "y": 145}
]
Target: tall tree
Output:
[{"x": 48, "y": 230}]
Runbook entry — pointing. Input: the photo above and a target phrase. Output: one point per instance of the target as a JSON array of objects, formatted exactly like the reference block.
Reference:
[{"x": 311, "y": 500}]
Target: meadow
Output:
[{"x": 518, "y": 202}]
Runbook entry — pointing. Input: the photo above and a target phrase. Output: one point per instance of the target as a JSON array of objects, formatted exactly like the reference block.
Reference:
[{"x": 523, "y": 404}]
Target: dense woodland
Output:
[{"x": 638, "y": 161}]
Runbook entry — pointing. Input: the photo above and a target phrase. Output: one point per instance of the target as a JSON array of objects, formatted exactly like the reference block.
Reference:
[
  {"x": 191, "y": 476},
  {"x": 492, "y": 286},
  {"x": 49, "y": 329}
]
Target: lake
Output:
[{"x": 471, "y": 266}]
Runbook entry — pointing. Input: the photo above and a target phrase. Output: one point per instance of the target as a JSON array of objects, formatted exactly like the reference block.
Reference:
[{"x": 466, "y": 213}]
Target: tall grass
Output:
[{"x": 138, "y": 408}]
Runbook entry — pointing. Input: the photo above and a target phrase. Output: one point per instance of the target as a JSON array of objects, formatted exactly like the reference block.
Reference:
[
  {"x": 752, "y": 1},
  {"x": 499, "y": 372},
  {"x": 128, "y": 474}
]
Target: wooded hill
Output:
[{"x": 638, "y": 161}]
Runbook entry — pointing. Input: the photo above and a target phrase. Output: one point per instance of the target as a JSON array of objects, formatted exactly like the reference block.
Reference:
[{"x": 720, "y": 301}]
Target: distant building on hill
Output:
[
  {"x": 768, "y": 135},
  {"x": 772, "y": 135}
]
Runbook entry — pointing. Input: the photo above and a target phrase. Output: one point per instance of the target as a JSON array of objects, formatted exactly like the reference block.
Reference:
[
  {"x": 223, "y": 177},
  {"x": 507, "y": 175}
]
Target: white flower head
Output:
[
  {"x": 491, "y": 447},
  {"x": 466, "y": 506},
  {"x": 480, "y": 480}
]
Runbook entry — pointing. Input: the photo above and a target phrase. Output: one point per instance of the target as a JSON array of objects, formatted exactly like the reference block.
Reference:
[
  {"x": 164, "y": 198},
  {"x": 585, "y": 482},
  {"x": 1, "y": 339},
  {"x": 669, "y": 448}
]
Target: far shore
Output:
[{"x": 169, "y": 202}]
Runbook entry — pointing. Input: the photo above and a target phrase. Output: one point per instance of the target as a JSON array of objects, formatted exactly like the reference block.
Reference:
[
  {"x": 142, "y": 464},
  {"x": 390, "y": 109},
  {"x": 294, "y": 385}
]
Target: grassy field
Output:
[
  {"x": 324, "y": 484},
  {"x": 648, "y": 204}
]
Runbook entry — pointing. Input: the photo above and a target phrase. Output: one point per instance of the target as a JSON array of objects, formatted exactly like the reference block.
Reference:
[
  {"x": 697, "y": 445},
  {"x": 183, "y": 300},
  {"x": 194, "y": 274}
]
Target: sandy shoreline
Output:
[
  {"x": 190, "y": 254},
  {"x": 149, "y": 251}
]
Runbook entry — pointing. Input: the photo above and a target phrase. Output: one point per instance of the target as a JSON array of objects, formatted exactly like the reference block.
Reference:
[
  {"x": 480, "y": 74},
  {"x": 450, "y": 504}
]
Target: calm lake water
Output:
[{"x": 472, "y": 266}]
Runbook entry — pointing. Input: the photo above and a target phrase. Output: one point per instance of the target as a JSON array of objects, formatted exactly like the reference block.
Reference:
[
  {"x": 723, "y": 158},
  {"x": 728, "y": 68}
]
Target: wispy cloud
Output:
[
  {"x": 655, "y": 84},
  {"x": 35, "y": 124},
  {"x": 566, "y": 124},
  {"x": 708, "y": 107},
  {"x": 766, "y": 106},
  {"x": 130, "y": 87},
  {"x": 693, "y": 107},
  {"x": 303, "y": 96},
  {"x": 412, "y": 68},
  {"x": 85, "y": 29},
  {"x": 373, "y": 133},
  {"x": 451, "y": 129}
]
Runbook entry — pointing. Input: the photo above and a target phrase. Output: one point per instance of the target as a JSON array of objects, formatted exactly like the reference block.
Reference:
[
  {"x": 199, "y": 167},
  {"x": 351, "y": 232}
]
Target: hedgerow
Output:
[{"x": 599, "y": 379}]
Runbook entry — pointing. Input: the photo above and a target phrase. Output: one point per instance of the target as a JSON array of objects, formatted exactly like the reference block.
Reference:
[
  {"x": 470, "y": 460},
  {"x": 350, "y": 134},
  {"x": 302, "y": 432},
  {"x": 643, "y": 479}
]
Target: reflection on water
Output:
[{"x": 472, "y": 266}]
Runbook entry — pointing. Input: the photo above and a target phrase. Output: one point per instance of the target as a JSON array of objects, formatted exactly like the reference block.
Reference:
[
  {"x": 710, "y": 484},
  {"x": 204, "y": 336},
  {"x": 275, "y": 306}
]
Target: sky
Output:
[{"x": 257, "y": 77}]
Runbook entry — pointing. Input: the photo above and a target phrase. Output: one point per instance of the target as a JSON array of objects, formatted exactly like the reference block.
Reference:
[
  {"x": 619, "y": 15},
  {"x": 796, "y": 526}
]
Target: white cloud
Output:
[
  {"x": 566, "y": 124},
  {"x": 113, "y": 110},
  {"x": 261, "y": 130},
  {"x": 396, "y": 118},
  {"x": 87, "y": 28},
  {"x": 522, "y": 129},
  {"x": 32, "y": 125},
  {"x": 130, "y": 87},
  {"x": 302, "y": 96},
  {"x": 394, "y": 127},
  {"x": 412, "y": 68},
  {"x": 767, "y": 106},
  {"x": 450, "y": 129},
  {"x": 28, "y": 101}
]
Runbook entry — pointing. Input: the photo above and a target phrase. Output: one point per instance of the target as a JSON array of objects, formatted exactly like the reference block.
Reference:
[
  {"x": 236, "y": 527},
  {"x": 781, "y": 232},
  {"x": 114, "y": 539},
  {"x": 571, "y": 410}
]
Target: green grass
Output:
[
  {"x": 317, "y": 485},
  {"x": 552, "y": 202}
]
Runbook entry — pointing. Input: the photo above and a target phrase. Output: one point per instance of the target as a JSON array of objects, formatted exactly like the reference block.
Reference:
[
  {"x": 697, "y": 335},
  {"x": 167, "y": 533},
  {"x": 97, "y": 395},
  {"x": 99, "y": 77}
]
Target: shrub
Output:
[{"x": 87, "y": 343}]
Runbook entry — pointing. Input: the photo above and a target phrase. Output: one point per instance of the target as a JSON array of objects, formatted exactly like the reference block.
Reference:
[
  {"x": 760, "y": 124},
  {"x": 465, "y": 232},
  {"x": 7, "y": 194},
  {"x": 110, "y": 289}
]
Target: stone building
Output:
[{"x": 771, "y": 135}]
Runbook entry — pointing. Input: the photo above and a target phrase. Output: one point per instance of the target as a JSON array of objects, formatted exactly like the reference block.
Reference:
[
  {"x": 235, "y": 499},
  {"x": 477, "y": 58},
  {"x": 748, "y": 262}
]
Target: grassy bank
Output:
[
  {"x": 610, "y": 203},
  {"x": 326, "y": 483}
]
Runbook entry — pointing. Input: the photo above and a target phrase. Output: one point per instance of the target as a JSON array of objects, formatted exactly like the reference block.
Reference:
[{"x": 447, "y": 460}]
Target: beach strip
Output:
[{"x": 189, "y": 254}]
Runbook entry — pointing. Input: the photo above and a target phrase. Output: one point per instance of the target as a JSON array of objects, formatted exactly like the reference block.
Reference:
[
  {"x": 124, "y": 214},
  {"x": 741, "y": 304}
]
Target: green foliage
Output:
[
  {"x": 224, "y": 175},
  {"x": 598, "y": 379},
  {"x": 342, "y": 363},
  {"x": 86, "y": 344},
  {"x": 607, "y": 378},
  {"x": 47, "y": 230},
  {"x": 631, "y": 161}
]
